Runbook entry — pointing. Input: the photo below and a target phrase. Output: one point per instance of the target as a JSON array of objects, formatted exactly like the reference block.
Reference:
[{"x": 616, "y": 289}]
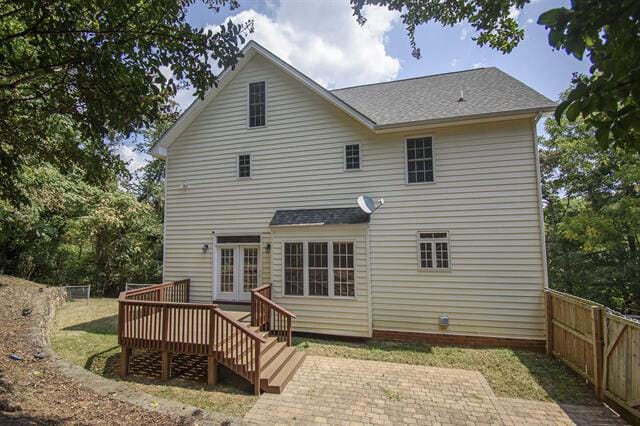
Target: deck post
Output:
[
  {"x": 212, "y": 370},
  {"x": 288, "y": 331},
  {"x": 256, "y": 377},
  {"x": 166, "y": 365},
  {"x": 124, "y": 361}
]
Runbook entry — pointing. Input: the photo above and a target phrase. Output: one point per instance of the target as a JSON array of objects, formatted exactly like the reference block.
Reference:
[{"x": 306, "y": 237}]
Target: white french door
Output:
[{"x": 238, "y": 271}]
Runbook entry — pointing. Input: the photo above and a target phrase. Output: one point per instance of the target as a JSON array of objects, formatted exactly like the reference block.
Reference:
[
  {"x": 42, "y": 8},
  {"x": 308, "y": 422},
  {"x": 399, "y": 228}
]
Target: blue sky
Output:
[{"x": 322, "y": 39}]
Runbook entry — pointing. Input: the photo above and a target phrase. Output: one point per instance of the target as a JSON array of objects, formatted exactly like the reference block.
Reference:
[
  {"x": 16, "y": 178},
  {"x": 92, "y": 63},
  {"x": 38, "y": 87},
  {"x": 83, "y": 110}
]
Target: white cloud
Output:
[
  {"x": 134, "y": 160},
  {"x": 326, "y": 43},
  {"x": 478, "y": 65},
  {"x": 453, "y": 62},
  {"x": 530, "y": 21},
  {"x": 514, "y": 12},
  {"x": 464, "y": 32}
]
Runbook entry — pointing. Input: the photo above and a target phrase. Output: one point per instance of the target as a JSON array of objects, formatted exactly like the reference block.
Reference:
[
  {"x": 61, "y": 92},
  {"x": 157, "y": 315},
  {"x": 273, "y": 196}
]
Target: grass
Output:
[
  {"x": 511, "y": 373},
  {"x": 88, "y": 336}
]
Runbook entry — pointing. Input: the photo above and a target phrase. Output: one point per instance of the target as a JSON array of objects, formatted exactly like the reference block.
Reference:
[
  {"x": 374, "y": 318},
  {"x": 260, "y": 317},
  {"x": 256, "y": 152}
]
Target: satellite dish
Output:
[{"x": 368, "y": 205}]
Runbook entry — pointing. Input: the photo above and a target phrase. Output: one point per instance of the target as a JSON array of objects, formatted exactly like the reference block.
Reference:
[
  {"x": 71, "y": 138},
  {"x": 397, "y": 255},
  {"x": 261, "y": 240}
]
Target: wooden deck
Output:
[{"x": 255, "y": 345}]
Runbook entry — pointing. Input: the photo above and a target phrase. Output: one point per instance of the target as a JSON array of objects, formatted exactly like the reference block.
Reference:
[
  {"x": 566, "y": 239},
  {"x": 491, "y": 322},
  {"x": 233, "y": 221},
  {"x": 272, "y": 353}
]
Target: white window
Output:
[
  {"x": 257, "y": 104},
  {"x": 433, "y": 250},
  {"x": 294, "y": 269},
  {"x": 352, "y": 156},
  {"x": 343, "y": 272},
  {"x": 419, "y": 160},
  {"x": 319, "y": 268},
  {"x": 244, "y": 165}
]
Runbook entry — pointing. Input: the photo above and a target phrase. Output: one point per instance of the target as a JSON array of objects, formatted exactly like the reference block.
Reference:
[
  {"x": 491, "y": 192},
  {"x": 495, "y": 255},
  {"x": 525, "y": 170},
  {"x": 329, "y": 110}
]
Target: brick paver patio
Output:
[{"x": 348, "y": 391}]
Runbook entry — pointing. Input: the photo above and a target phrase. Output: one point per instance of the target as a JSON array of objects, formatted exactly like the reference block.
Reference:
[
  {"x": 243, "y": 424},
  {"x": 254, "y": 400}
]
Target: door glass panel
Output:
[
  {"x": 226, "y": 270},
  {"x": 250, "y": 272}
]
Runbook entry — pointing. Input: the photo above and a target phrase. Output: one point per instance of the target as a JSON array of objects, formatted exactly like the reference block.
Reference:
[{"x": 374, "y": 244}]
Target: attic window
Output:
[{"x": 257, "y": 104}]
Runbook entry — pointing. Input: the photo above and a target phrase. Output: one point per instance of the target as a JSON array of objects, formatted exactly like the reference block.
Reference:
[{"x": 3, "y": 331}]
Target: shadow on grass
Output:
[
  {"x": 104, "y": 325},
  {"x": 560, "y": 383},
  {"x": 187, "y": 372}
]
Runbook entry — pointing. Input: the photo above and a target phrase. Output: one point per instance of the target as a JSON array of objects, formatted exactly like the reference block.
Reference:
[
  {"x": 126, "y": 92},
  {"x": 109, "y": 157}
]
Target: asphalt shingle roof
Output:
[
  {"x": 335, "y": 216},
  {"x": 436, "y": 97}
]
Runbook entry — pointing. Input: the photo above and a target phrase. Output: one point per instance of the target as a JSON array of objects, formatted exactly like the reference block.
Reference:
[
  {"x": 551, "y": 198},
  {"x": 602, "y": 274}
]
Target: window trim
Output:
[
  {"x": 344, "y": 157},
  {"x": 238, "y": 166},
  {"x": 419, "y": 240},
  {"x": 305, "y": 250},
  {"x": 406, "y": 159},
  {"x": 266, "y": 111}
]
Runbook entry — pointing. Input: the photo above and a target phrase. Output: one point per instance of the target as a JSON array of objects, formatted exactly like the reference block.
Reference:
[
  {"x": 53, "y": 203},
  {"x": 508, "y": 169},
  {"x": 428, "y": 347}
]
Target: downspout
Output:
[
  {"x": 543, "y": 240},
  {"x": 370, "y": 282}
]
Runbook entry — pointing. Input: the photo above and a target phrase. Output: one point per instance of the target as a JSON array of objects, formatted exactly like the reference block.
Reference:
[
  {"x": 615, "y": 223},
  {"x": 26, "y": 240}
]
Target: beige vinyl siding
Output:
[
  {"x": 346, "y": 316},
  {"x": 484, "y": 195}
]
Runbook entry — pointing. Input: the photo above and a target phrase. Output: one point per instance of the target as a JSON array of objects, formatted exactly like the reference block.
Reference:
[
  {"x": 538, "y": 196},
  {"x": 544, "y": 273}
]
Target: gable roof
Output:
[
  {"x": 332, "y": 216},
  {"x": 486, "y": 91},
  {"x": 415, "y": 102}
]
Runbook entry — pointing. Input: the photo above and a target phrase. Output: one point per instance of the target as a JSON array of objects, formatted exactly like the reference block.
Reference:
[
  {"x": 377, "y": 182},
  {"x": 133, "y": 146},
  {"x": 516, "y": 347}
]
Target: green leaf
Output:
[
  {"x": 551, "y": 17},
  {"x": 560, "y": 110},
  {"x": 573, "y": 111}
]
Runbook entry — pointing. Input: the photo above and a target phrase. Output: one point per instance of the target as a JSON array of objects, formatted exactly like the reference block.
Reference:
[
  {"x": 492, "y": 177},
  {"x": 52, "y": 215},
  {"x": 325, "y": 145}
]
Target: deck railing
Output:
[
  {"x": 269, "y": 316},
  {"x": 160, "y": 318}
]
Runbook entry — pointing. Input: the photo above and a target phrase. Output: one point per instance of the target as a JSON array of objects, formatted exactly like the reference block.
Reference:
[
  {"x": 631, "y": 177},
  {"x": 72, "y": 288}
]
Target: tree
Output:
[
  {"x": 149, "y": 184},
  {"x": 607, "y": 32},
  {"x": 71, "y": 232},
  {"x": 592, "y": 215},
  {"x": 97, "y": 67}
]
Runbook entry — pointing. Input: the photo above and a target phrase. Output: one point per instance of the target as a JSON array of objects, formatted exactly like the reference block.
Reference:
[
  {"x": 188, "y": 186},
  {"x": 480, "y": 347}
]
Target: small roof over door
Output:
[{"x": 309, "y": 217}]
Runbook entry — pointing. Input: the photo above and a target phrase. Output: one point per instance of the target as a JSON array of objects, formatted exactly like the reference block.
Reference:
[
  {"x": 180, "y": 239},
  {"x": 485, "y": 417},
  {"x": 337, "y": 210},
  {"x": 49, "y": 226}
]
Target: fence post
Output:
[
  {"x": 596, "y": 317},
  {"x": 548, "y": 298}
]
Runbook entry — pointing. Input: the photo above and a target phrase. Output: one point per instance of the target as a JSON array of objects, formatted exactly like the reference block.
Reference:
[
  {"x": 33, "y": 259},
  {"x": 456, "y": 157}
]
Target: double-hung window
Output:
[
  {"x": 244, "y": 166},
  {"x": 294, "y": 269},
  {"x": 419, "y": 160},
  {"x": 433, "y": 251},
  {"x": 257, "y": 104},
  {"x": 319, "y": 268},
  {"x": 352, "y": 156}
]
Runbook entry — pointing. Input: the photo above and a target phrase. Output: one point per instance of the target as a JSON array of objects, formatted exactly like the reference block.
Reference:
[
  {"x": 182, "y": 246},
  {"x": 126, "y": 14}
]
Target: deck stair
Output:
[{"x": 256, "y": 346}]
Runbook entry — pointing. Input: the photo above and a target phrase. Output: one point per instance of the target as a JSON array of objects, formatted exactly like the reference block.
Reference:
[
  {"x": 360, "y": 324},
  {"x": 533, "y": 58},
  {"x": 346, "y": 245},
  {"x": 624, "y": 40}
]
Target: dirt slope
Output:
[{"x": 32, "y": 391}]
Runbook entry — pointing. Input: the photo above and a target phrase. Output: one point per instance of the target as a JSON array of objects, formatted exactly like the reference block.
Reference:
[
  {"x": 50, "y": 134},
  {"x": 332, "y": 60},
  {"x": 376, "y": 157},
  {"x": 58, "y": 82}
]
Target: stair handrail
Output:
[
  {"x": 261, "y": 309},
  {"x": 238, "y": 325}
]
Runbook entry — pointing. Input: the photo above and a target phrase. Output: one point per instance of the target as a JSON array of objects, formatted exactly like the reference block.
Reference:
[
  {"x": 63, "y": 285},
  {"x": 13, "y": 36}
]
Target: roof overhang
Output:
[{"x": 463, "y": 120}]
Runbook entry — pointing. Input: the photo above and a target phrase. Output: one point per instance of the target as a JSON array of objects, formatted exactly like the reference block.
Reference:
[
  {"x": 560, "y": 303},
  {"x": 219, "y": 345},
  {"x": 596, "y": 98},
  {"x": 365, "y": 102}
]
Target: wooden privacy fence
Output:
[{"x": 599, "y": 344}]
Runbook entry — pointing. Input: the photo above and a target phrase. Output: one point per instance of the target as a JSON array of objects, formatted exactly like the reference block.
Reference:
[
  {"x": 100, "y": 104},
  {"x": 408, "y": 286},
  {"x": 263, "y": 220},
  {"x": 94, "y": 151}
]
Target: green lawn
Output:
[{"x": 87, "y": 336}]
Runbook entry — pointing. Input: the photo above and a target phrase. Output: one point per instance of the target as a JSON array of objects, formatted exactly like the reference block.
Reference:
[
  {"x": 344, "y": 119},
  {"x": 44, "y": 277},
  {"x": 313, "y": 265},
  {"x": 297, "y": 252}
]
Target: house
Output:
[{"x": 262, "y": 178}]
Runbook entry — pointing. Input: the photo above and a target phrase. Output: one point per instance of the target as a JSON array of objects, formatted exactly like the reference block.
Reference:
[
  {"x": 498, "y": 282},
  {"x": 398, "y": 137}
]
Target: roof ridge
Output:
[{"x": 413, "y": 78}]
